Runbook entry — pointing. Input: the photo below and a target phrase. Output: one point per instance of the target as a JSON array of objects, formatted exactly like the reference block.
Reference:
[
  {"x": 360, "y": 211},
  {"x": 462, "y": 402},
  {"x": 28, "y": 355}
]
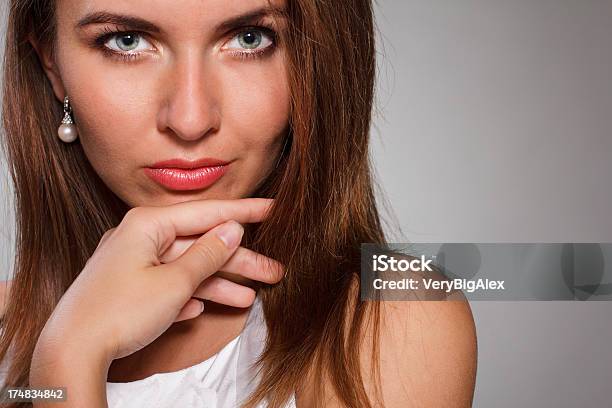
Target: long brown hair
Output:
[{"x": 324, "y": 208}]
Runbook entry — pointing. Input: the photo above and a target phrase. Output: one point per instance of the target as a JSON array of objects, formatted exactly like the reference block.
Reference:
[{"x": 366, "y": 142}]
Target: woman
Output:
[{"x": 121, "y": 231}]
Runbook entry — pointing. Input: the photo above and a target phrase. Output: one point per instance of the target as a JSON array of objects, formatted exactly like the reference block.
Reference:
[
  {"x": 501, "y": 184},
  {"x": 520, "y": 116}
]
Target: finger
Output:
[
  {"x": 177, "y": 248},
  {"x": 192, "y": 309},
  {"x": 255, "y": 266},
  {"x": 205, "y": 256},
  {"x": 226, "y": 292},
  {"x": 245, "y": 262},
  {"x": 161, "y": 225},
  {"x": 106, "y": 236}
]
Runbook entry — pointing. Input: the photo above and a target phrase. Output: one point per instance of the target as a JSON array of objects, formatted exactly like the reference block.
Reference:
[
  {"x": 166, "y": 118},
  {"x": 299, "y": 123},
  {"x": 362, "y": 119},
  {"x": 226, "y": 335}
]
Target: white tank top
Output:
[{"x": 224, "y": 380}]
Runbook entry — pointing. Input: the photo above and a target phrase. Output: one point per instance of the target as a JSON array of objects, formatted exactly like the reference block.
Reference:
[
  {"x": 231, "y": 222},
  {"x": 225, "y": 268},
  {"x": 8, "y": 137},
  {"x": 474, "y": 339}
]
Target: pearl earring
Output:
[{"x": 67, "y": 131}]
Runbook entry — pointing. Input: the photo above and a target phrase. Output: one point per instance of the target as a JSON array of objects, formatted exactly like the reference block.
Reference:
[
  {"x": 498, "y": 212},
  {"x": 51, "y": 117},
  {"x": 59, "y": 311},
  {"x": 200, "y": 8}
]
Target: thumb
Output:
[{"x": 208, "y": 253}]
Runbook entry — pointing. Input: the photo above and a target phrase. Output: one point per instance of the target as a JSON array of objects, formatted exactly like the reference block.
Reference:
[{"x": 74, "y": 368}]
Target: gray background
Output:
[{"x": 493, "y": 125}]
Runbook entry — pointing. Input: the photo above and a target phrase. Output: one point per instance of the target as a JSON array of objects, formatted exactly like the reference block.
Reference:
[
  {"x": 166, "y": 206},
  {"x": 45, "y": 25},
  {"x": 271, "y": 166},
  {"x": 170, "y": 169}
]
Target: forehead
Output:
[{"x": 170, "y": 14}]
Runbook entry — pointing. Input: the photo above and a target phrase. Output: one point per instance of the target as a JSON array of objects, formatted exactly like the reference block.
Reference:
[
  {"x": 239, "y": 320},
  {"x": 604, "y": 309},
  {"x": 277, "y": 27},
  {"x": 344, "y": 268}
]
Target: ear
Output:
[{"x": 50, "y": 68}]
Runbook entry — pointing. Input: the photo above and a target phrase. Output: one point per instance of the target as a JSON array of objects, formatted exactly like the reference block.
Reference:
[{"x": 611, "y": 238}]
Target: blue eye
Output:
[
  {"x": 251, "y": 40},
  {"x": 127, "y": 42}
]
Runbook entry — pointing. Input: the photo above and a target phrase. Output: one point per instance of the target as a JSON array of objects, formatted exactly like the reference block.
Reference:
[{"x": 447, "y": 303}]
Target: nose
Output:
[{"x": 190, "y": 110}]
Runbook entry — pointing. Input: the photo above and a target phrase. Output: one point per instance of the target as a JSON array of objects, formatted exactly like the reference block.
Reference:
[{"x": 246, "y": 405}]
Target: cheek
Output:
[
  {"x": 114, "y": 118},
  {"x": 256, "y": 109},
  {"x": 257, "y": 105}
]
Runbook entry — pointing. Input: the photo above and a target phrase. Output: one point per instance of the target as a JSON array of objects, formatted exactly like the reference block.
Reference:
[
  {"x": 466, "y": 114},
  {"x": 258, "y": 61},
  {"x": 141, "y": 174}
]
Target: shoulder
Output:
[
  {"x": 427, "y": 350},
  {"x": 428, "y": 353}
]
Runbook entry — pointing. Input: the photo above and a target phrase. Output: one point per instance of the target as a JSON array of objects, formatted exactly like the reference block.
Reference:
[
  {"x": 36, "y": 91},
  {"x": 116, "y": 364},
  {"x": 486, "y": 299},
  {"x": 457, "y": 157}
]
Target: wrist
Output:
[{"x": 82, "y": 371}]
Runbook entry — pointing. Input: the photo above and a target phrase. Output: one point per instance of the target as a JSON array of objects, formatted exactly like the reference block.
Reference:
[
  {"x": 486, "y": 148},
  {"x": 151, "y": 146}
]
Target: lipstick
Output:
[{"x": 181, "y": 175}]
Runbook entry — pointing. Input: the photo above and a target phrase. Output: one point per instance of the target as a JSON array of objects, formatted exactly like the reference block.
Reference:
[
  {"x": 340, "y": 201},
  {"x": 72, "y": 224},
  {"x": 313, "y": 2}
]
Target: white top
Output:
[{"x": 221, "y": 381}]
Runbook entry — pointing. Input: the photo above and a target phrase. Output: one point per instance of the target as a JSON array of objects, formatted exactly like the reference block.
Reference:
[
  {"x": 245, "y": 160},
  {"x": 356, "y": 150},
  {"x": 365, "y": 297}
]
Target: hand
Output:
[
  {"x": 126, "y": 296},
  {"x": 216, "y": 288}
]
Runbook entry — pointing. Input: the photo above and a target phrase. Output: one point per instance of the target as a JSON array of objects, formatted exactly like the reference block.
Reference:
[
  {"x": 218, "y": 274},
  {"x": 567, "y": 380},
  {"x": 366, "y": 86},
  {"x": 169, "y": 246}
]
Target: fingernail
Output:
[
  {"x": 202, "y": 304},
  {"x": 230, "y": 233}
]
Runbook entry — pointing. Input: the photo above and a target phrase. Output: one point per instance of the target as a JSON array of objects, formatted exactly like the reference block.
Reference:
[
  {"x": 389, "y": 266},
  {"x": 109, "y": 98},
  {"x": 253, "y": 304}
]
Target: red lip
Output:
[
  {"x": 179, "y": 174},
  {"x": 189, "y": 164}
]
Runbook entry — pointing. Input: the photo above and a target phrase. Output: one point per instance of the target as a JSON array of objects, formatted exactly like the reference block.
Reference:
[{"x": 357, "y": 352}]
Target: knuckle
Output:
[
  {"x": 215, "y": 284},
  {"x": 221, "y": 213},
  {"x": 244, "y": 260},
  {"x": 147, "y": 221},
  {"x": 207, "y": 253},
  {"x": 272, "y": 269},
  {"x": 249, "y": 297},
  {"x": 105, "y": 236},
  {"x": 141, "y": 218},
  {"x": 250, "y": 212},
  {"x": 263, "y": 267},
  {"x": 136, "y": 216},
  {"x": 134, "y": 212}
]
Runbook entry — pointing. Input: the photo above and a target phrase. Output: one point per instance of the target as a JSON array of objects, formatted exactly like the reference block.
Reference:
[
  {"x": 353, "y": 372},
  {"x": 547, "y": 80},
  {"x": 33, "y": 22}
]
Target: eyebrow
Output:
[{"x": 137, "y": 23}]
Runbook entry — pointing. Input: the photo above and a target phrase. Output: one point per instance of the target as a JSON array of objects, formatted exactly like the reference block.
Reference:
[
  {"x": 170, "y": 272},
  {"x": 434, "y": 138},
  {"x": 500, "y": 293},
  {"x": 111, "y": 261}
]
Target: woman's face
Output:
[{"x": 153, "y": 80}]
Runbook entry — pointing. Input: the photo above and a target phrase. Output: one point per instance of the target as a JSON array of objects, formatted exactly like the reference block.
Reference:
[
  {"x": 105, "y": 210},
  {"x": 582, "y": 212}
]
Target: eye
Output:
[
  {"x": 128, "y": 42},
  {"x": 251, "y": 39}
]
